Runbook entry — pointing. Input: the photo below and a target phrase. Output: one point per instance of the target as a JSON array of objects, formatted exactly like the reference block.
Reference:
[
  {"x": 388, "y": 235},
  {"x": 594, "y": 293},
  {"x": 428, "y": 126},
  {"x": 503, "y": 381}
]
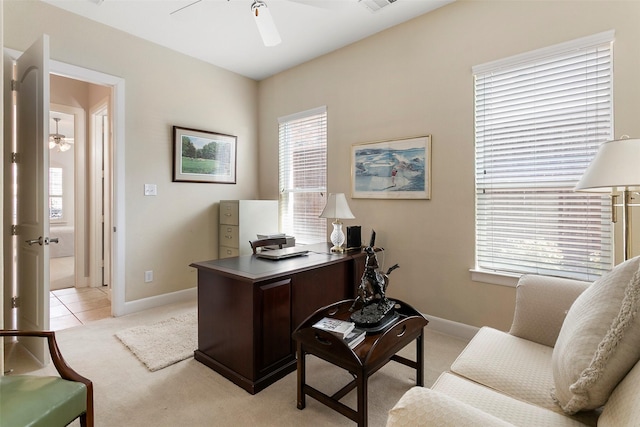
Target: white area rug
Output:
[{"x": 163, "y": 343}]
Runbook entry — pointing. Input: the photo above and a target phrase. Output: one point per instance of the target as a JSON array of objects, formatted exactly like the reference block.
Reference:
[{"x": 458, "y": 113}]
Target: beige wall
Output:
[
  {"x": 415, "y": 79},
  {"x": 167, "y": 232}
]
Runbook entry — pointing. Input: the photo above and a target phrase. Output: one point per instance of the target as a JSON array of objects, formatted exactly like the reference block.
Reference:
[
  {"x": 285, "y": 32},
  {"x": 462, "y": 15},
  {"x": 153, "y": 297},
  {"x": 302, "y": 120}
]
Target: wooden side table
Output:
[{"x": 363, "y": 361}]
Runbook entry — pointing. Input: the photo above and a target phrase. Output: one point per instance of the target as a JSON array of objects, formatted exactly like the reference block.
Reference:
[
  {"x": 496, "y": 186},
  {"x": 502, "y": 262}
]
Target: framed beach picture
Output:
[
  {"x": 202, "y": 156},
  {"x": 394, "y": 169}
]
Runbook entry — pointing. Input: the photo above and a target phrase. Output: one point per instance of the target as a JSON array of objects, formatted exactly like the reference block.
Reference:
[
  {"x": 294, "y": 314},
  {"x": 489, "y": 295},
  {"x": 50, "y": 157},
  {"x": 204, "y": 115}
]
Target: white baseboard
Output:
[
  {"x": 450, "y": 327},
  {"x": 159, "y": 300}
]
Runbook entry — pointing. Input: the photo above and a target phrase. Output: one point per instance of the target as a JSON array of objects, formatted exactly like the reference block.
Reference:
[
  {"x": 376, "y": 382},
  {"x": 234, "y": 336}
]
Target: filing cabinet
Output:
[{"x": 241, "y": 221}]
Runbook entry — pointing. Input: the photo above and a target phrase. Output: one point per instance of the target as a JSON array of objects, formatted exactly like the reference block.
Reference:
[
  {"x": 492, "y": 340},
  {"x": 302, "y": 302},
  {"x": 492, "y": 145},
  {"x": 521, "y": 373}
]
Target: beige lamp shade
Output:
[
  {"x": 616, "y": 165},
  {"x": 337, "y": 207}
]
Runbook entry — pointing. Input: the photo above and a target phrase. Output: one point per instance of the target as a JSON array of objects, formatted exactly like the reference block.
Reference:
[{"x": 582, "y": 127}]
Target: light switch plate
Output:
[{"x": 150, "y": 190}]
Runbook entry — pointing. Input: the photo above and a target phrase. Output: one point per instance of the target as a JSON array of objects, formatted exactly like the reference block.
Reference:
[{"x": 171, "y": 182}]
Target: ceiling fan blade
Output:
[
  {"x": 324, "y": 4},
  {"x": 186, "y": 6},
  {"x": 266, "y": 26}
]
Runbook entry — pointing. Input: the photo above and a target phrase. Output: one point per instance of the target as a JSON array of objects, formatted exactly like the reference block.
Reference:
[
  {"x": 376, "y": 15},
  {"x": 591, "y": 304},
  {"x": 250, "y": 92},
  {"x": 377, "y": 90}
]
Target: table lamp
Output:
[
  {"x": 337, "y": 208},
  {"x": 615, "y": 168}
]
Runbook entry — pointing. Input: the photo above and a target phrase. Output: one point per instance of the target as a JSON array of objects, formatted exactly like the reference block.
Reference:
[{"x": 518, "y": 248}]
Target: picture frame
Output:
[
  {"x": 203, "y": 156},
  {"x": 392, "y": 169}
]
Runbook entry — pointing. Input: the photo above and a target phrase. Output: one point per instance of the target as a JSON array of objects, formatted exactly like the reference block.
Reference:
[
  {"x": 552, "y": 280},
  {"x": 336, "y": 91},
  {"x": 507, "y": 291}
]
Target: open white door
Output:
[{"x": 32, "y": 165}]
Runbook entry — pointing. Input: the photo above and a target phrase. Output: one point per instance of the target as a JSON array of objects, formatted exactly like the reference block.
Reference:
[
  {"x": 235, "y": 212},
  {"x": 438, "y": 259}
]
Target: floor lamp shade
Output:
[
  {"x": 338, "y": 208},
  {"x": 616, "y": 165},
  {"x": 615, "y": 168}
]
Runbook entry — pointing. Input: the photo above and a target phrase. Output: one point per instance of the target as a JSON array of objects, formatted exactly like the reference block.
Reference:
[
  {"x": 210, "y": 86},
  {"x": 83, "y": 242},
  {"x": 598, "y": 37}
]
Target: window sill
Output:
[{"x": 494, "y": 278}]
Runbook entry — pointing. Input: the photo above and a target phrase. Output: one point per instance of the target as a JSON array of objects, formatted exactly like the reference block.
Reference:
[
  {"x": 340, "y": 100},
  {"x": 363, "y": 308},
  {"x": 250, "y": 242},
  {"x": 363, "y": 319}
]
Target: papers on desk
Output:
[{"x": 284, "y": 253}]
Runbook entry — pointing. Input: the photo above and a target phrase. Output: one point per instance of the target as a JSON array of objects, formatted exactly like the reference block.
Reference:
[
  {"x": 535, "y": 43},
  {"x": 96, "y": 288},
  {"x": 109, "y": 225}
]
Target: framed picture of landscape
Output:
[
  {"x": 202, "y": 156},
  {"x": 395, "y": 169}
]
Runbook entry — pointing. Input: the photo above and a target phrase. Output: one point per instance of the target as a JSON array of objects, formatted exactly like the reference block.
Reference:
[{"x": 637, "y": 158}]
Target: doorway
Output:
[{"x": 79, "y": 288}]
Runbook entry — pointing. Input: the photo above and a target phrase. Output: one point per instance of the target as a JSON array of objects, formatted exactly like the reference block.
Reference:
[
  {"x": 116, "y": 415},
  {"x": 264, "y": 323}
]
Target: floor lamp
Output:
[{"x": 616, "y": 167}]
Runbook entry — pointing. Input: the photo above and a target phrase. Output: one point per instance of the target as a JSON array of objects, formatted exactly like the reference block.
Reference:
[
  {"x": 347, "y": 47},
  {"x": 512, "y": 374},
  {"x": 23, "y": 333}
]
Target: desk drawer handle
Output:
[
  {"x": 402, "y": 332},
  {"x": 228, "y": 237},
  {"x": 322, "y": 340}
]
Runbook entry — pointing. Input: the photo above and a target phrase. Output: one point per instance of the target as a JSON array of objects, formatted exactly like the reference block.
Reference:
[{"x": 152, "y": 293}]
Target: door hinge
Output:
[
  {"x": 15, "y": 157},
  {"x": 14, "y": 85},
  {"x": 15, "y": 302},
  {"x": 14, "y": 229}
]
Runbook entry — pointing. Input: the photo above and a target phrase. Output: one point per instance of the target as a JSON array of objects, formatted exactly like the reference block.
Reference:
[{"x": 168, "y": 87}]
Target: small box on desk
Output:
[{"x": 354, "y": 239}]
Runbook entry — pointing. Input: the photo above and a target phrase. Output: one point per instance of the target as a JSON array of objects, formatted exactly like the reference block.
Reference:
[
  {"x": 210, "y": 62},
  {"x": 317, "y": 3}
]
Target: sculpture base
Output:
[{"x": 375, "y": 316}]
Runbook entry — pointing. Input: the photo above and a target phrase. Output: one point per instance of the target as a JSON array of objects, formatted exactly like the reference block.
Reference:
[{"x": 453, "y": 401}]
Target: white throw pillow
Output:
[{"x": 599, "y": 341}]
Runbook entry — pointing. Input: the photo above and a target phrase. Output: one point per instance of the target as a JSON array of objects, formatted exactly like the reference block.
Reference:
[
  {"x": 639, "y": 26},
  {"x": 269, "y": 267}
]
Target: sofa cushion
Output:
[
  {"x": 424, "y": 407},
  {"x": 499, "y": 405},
  {"x": 623, "y": 407},
  {"x": 510, "y": 365},
  {"x": 542, "y": 303},
  {"x": 599, "y": 341}
]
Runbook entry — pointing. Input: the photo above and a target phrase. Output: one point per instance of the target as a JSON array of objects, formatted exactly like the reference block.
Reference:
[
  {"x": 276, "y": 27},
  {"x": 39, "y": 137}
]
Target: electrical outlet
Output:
[
  {"x": 150, "y": 190},
  {"x": 148, "y": 276}
]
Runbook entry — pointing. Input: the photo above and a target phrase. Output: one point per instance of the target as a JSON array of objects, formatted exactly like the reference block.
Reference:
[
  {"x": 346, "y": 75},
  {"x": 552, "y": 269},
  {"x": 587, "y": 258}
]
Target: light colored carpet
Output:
[
  {"x": 188, "y": 393},
  {"x": 163, "y": 343}
]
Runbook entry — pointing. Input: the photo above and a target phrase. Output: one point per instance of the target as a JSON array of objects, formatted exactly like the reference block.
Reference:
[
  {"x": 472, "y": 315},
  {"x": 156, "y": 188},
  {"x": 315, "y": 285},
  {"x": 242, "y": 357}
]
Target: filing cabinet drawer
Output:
[
  {"x": 229, "y": 236},
  {"x": 229, "y": 213},
  {"x": 227, "y": 252}
]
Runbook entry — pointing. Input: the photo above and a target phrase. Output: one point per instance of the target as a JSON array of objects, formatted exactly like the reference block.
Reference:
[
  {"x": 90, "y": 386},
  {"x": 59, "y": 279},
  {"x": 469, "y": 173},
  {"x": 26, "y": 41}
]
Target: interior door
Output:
[{"x": 32, "y": 179}]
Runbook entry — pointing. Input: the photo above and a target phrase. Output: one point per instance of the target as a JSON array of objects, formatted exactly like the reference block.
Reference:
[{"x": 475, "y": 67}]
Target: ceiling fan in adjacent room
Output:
[{"x": 58, "y": 140}]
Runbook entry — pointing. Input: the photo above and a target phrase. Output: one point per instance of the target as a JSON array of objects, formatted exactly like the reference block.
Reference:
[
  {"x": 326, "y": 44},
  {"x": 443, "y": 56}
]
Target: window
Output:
[
  {"x": 55, "y": 193},
  {"x": 539, "y": 120},
  {"x": 303, "y": 175}
]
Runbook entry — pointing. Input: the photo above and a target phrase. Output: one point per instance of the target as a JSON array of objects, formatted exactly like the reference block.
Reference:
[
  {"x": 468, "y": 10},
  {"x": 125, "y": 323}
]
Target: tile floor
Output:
[{"x": 76, "y": 306}]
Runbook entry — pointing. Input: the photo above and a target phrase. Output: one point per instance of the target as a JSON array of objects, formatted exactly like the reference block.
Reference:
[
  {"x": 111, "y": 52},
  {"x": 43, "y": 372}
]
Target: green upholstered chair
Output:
[{"x": 27, "y": 400}]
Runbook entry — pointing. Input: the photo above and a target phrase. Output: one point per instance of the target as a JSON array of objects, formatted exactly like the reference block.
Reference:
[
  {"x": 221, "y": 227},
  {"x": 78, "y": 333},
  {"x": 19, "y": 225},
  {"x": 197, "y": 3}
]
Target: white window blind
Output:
[
  {"x": 539, "y": 120},
  {"x": 303, "y": 175}
]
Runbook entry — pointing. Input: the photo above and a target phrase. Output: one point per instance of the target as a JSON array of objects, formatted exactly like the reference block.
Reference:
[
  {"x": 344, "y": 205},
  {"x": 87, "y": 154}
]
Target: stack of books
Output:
[{"x": 347, "y": 331}]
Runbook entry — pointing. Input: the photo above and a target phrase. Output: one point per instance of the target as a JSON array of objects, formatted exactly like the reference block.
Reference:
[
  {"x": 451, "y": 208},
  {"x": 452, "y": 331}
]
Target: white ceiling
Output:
[{"x": 223, "y": 32}]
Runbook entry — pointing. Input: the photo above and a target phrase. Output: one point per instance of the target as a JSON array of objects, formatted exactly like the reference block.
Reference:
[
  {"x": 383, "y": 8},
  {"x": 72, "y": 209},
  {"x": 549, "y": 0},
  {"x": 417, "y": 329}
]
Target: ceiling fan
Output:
[
  {"x": 264, "y": 21},
  {"x": 58, "y": 140}
]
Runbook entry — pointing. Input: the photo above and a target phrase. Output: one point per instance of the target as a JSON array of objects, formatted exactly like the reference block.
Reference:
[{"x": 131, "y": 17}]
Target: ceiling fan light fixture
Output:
[
  {"x": 58, "y": 140},
  {"x": 266, "y": 26}
]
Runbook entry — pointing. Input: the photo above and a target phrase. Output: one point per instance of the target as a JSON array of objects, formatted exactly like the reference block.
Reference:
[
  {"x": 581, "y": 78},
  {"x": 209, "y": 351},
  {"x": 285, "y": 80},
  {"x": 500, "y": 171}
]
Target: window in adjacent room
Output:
[
  {"x": 55, "y": 194},
  {"x": 303, "y": 175},
  {"x": 539, "y": 119}
]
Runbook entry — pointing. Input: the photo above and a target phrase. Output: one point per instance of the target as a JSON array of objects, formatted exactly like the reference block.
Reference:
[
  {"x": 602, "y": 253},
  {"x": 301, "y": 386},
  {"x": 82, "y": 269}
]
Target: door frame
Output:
[
  {"x": 100, "y": 200},
  {"x": 79, "y": 179},
  {"x": 118, "y": 191},
  {"x": 117, "y": 85}
]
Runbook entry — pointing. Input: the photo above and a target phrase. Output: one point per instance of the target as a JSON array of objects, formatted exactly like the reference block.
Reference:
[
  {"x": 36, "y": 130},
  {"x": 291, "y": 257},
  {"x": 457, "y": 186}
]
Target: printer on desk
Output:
[{"x": 291, "y": 241}]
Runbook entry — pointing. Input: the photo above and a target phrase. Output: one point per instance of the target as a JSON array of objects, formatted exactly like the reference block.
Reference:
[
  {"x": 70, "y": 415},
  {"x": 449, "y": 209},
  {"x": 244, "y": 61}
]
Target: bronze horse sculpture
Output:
[{"x": 374, "y": 283}]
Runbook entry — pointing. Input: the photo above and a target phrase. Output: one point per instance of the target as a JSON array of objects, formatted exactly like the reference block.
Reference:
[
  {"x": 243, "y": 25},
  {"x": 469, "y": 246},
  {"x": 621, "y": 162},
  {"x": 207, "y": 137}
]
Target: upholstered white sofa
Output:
[{"x": 569, "y": 359}]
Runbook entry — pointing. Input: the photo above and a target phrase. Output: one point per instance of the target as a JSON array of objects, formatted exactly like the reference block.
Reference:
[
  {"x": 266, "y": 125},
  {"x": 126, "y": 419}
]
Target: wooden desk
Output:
[{"x": 248, "y": 308}]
